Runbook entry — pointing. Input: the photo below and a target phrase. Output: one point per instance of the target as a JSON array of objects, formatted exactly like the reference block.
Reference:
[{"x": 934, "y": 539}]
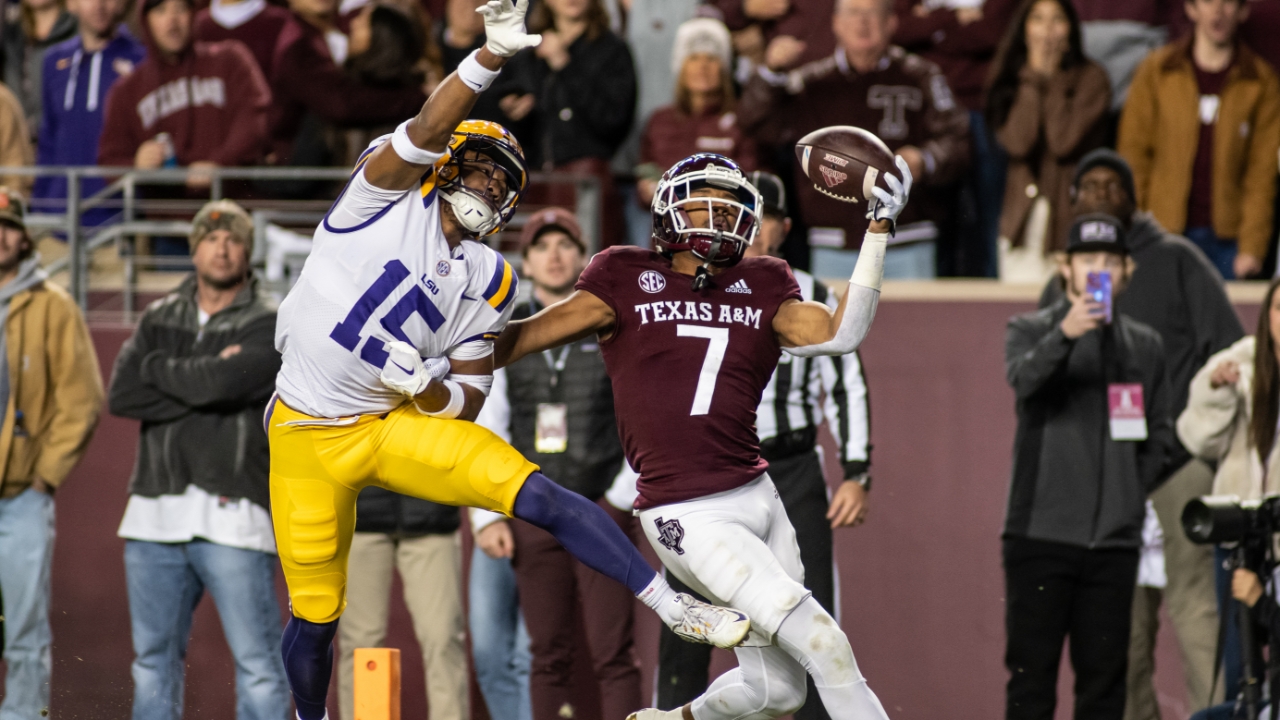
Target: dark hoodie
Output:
[
  {"x": 1176, "y": 291},
  {"x": 212, "y": 100}
]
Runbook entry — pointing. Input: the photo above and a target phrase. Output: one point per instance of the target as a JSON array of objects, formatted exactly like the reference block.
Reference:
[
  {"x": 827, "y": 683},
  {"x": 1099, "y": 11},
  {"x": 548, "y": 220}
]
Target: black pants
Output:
[
  {"x": 1054, "y": 591},
  {"x": 682, "y": 666}
]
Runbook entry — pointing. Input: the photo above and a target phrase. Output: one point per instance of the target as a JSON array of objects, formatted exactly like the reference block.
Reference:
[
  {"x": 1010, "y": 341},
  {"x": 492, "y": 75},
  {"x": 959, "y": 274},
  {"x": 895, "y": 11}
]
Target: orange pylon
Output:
[{"x": 377, "y": 684}]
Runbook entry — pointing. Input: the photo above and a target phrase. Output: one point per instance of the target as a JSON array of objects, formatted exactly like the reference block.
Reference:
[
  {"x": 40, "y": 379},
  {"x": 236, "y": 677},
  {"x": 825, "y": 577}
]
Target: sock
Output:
[
  {"x": 660, "y": 596},
  {"x": 585, "y": 530},
  {"x": 307, "y": 649}
]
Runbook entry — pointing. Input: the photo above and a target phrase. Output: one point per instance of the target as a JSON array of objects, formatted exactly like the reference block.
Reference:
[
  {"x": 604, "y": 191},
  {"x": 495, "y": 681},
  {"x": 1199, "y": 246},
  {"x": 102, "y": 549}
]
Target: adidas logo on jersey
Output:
[{"x": 739, "y": 287}]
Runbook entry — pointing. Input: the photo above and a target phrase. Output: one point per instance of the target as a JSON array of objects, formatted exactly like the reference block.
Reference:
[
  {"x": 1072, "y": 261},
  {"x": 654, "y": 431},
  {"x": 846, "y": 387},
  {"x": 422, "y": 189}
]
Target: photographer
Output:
[
  {"x": 1093, "y": 440},
  {"x": 1246, "y": 587},
  {"x": 1230, "y": 420}
]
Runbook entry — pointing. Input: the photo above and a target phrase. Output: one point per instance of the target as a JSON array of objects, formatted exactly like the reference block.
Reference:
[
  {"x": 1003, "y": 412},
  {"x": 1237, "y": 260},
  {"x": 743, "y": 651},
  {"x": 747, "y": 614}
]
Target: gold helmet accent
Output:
[{"x": 480, "y": 142}]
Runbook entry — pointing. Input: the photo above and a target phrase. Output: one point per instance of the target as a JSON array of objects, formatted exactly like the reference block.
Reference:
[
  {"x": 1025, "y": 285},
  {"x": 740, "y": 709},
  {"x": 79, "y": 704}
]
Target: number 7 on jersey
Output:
[{"x": 718, "y": 340}]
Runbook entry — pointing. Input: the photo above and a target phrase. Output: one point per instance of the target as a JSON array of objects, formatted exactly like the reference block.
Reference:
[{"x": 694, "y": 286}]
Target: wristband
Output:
[
  {"x": 456, "y": 401},
  {"x": 409, "y": 152},
  {"x": 476, "y": 76},
  {"x": 483, "y": 383}
]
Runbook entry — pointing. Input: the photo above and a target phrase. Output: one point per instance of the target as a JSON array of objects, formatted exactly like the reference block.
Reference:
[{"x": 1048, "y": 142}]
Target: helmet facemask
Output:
[
  {"x": 475, "y": 209},
  {"x": 727, "y": 222}
]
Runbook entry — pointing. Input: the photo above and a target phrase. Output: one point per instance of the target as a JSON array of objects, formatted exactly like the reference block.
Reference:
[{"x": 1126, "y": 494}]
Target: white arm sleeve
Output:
[
  {"x": 496, "y": 413},
  {"x": 862, "y": 297}
]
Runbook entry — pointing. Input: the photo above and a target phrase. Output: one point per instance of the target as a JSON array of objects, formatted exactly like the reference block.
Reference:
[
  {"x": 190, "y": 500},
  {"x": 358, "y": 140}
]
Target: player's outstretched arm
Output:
[
  {"x": 577, "y": 316},
  {"x": 399, "y": 164},
  {"x": 808, "y": 329}
]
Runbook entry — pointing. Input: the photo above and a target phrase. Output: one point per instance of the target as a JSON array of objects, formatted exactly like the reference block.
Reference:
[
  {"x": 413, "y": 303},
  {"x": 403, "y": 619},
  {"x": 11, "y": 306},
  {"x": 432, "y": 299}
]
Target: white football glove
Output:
[
  {"x": 407, "y": 373},
  {"x": 887, "y": 206},
  {"x": 504, "y": 27}
]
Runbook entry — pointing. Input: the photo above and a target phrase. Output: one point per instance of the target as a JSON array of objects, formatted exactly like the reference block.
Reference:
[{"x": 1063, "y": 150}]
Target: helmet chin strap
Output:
[{"x": 702, "y": 275}]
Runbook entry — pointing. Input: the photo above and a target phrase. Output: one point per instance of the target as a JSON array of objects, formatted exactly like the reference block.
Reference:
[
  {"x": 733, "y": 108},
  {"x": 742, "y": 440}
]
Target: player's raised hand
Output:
[
  {"x": 888, "y": 206},
  {"x": 504, "y": 27},
  {"x": 407, "y": 373}
]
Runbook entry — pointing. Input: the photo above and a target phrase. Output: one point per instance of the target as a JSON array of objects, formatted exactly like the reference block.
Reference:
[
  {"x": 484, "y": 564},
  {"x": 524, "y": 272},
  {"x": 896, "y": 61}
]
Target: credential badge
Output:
[
  {"x": 670, "y": 534},
  {"x": 652, "y": 282}
]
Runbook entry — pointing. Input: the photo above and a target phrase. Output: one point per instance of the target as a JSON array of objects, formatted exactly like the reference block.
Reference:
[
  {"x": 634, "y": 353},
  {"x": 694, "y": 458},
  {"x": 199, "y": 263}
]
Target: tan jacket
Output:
[
  {"x": 15, "y": 141},
  {"x": 1051, "y": 124},
  {"x": 55, "y": 381},
  {"x": 1160, "y": 130},
  {"x": 1215, "y": 427}
]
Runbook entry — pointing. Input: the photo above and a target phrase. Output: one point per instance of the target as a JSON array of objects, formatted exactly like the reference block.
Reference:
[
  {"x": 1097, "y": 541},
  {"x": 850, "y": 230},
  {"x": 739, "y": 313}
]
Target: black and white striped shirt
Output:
[{"x": 803, "y": 391}]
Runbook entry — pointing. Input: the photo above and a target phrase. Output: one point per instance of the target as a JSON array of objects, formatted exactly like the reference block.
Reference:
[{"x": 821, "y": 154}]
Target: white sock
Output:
[
  {"x": 659, "y": 596},
  {"x": 299, "y": 715}
]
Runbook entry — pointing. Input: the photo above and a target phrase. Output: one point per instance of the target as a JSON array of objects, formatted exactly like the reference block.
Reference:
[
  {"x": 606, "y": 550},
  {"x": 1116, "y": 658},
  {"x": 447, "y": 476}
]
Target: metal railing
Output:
[{"x": 123, "y": 214}]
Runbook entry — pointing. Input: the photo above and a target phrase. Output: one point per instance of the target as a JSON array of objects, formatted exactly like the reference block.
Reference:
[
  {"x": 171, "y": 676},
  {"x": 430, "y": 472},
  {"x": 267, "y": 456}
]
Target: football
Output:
[{"x": 844, "y": 162}]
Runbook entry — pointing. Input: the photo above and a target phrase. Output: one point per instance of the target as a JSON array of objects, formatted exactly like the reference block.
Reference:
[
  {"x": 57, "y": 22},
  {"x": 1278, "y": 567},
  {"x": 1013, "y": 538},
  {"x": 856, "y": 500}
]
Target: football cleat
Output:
[
  {"x": 710, "y": 624},
  {"x": 655, "y": 714}
]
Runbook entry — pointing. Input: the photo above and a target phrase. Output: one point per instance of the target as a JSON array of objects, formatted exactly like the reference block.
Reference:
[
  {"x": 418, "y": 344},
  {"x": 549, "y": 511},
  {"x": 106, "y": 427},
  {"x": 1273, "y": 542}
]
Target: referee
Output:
[{"x": 801, "y": 393}]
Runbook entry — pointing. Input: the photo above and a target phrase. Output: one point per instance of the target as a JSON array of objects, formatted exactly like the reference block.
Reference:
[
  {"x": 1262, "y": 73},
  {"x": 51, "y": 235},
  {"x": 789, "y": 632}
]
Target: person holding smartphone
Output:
[{"x": 1093, "y": 440}]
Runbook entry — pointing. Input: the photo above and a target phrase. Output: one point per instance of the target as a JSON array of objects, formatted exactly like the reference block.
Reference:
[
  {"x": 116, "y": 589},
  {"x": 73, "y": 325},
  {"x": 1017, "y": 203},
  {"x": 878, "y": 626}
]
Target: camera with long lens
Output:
[
  {"x": 1249, "y": 528},
  {"x": 1218, "y": 519}
]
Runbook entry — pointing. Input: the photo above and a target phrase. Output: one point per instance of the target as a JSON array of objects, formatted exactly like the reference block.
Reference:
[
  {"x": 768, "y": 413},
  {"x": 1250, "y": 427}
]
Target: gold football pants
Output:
[{"x": 319, "y": 465}]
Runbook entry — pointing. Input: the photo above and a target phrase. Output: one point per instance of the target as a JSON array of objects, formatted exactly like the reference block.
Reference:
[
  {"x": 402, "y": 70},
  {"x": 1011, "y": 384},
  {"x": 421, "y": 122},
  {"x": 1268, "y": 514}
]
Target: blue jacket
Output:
[{"x": 74, "y": 93}]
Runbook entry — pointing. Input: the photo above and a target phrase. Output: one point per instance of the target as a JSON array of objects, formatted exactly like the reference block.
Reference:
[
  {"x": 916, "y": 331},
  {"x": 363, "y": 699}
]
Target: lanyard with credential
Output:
[{"x": 556, "y": 364}]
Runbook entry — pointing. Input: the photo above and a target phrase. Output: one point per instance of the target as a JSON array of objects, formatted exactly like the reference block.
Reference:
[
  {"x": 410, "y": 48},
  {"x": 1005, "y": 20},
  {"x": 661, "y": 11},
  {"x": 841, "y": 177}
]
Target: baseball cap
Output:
[
  {"x": 773, "y": 194},
  {"x": 13, "y": 208},
  {"x": 222, "y": 215},
  {"x": 552, "y": 218},
  {"x": 1095, "y": 232}
]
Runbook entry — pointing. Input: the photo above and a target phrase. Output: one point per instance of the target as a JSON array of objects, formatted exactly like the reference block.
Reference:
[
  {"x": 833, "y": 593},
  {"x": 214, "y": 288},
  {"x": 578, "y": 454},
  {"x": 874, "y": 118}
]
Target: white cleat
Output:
[
  {"x": 654, "y": 714},
  {"x": 708, "y": 625}
]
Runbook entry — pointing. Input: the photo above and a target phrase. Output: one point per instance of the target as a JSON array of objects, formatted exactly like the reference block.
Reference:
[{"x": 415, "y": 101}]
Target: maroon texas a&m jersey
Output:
[{"x": 688, "y": 367}]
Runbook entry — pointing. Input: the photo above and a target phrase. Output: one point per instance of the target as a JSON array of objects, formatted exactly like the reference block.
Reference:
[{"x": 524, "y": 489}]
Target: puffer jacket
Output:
[{"x": 1215, "y": 427}]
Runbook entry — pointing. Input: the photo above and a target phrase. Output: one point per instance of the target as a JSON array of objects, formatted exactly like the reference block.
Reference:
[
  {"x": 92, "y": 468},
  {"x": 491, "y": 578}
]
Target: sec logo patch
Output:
[
  {"x": 443, "y": 268},
  {"x": 652, "y": 282}
]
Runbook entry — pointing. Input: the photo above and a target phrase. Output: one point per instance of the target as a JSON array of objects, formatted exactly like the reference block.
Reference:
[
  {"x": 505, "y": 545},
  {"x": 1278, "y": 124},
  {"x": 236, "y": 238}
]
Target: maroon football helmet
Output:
[{"x": 733, "y": 223}]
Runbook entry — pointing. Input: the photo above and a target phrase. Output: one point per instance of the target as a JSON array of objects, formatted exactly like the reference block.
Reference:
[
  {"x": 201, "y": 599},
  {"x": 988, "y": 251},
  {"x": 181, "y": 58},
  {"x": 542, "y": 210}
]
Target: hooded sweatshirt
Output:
[
  {"x": 211, "y": 99},
  {"x": 74, "y": 91},
  {"x": 29, "y": 275}
]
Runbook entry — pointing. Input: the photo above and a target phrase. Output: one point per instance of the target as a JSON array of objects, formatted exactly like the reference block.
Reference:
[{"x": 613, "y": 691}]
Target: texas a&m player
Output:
[{"x": 690, "y": 337}]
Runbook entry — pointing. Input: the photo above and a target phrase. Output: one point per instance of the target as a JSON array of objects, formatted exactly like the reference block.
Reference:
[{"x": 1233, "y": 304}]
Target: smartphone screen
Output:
[{"x": 1098, "y": 286}]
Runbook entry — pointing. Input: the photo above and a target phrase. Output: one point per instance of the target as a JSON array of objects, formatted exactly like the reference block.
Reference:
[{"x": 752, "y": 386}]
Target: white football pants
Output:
[{"x": 738, "y": 549}]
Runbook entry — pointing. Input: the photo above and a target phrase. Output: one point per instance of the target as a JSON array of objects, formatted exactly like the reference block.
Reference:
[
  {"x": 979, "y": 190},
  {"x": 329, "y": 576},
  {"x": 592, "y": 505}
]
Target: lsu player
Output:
[
  {"x": 703, "y": 328},
  {"x": 394, "y": 277}
]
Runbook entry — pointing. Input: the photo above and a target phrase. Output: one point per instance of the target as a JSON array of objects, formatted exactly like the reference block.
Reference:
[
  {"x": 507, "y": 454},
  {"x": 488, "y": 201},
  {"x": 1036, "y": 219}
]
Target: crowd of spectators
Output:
[
  {"x": 992, "y": 103},
  {"x": 1005, "y": 112}
]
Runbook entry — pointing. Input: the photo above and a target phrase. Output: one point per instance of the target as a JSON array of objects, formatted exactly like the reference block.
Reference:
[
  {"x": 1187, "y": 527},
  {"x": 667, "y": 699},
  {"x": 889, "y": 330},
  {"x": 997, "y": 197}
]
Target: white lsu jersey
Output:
[{"x": 380, "y": 270}]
